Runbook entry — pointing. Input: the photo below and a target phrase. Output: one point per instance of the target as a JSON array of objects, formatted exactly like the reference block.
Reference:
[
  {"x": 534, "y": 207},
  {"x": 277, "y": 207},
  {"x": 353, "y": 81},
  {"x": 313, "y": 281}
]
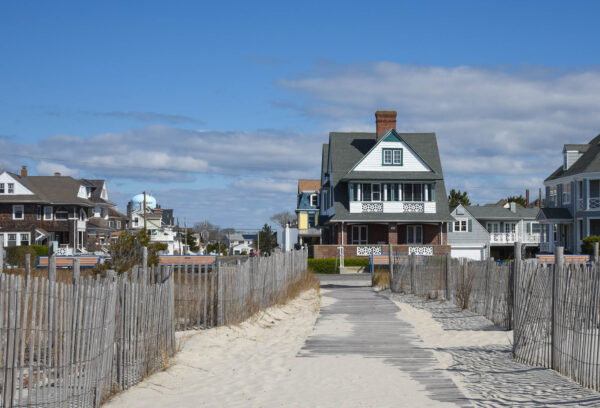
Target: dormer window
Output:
[
  {"x": 392, "y": 157},
  {"x": 314, "y": 200}
]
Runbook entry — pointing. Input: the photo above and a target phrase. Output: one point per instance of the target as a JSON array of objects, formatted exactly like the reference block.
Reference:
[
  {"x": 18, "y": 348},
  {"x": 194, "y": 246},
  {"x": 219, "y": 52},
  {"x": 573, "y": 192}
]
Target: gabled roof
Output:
[
  {"x": 501, "y": 213},
  {"x": 588, "y": 162},
  {"x": 96, "y": 193},
  {"x": 554, "y": 214},
  {"x": 348, "y": 148},
  {"x": 48, "y": 190},
  {"x": 391, "y": 136}
]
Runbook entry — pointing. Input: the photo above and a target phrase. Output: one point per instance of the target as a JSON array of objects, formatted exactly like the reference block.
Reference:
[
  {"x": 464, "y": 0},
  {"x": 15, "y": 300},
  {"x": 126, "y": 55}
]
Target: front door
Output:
[{"x": 359, "y": 235}]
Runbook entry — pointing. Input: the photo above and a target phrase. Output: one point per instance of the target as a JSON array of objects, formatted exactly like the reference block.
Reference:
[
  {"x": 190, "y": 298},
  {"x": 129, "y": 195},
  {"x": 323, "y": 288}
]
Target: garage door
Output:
[{"x": 470, "y": 253}]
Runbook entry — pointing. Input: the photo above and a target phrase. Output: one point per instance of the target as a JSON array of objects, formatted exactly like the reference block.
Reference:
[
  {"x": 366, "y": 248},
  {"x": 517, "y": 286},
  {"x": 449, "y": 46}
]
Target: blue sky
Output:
[{"x": 218, "y": 109}]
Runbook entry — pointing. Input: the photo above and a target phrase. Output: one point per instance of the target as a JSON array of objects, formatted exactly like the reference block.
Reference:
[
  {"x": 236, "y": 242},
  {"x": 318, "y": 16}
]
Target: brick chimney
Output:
[
  {"x": 527, "y": 198},
  {"x": 384, "y": 121},
  {"x": 23, "y": 171}
]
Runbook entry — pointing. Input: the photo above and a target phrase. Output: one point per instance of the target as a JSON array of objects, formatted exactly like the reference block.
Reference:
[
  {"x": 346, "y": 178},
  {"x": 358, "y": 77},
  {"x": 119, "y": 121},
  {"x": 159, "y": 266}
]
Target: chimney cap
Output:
[{"x": 386, "y": 113}]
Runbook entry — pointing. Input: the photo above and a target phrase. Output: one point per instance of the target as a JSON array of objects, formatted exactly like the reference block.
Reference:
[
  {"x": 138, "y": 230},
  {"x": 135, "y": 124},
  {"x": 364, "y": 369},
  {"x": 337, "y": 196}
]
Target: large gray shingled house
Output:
[
  {"x": 572, "y": 210},
  {"x": 382, "y": 188}
]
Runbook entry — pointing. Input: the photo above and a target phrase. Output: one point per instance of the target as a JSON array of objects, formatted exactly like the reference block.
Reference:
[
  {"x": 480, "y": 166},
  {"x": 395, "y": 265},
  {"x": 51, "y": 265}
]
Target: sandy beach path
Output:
[{"x": 354, "y": 352}]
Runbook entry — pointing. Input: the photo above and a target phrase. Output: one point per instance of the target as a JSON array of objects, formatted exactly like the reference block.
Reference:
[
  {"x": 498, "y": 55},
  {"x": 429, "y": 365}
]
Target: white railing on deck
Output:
[{"x": 594, "y": 202}]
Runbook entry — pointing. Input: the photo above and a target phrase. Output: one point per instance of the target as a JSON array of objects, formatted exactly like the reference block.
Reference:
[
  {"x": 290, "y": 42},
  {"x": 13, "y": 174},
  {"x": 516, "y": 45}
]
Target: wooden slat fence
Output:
[
  {"x": 553, "y": 308},
  {"x": 559, "y": 320},
  {"x": 75, "y": 344},
  {"x": 482, "y": 287},
  {"x": 211, "y": 295}
]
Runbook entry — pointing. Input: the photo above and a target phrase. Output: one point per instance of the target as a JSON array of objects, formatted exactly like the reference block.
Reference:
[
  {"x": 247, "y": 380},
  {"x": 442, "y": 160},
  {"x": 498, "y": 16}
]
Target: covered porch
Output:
[
  {"x": 557, "y": 230},
  {"x": 364, "y": 239}
]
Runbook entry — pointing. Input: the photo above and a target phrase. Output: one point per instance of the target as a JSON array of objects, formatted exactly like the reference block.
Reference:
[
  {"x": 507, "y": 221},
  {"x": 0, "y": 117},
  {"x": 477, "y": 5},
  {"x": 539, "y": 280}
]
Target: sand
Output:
[{"x": 257, "y": 365}]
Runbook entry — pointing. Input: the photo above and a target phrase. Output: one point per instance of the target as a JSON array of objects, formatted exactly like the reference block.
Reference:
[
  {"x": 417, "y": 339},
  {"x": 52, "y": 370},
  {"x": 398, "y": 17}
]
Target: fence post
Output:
[
  {"x": 76, "y": 271},
  {"x": 412, "y": 273},
  {"x": 514, "y": 283},
  {"x": 448, "y": 267},
  {"x": 1, "y": 253},
  {"x": 220, "y": 299},
  {"x": 51, "y": 262},
  {"x": 391, "y": 264},
  {"x": 27, "y": 268},
  {"x": 559, "y": 262},
  {"x": 596, "y": 255},
  {"x": 145, "y": 261}
]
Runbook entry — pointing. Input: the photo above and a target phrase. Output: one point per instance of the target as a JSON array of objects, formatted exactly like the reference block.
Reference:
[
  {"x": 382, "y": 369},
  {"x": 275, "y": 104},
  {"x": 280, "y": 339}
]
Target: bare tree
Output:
[{"x": 284, "y": 218}]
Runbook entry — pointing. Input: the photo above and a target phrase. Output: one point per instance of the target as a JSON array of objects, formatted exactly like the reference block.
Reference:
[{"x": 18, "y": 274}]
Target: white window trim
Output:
[
  {"x": 459, "y": 222},
  {"x": 51, "y": 213},
  {"x": 10, "y": 188},
  {"x": 15, "y": 206}
]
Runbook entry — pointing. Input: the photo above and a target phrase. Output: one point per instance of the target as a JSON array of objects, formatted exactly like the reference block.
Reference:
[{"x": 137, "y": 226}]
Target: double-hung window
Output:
[
  {"x": 552, "y": 195},
  {"x": 12, "y": 239},
  {"x": 414, "y": 234},
  {"x": 2, "y": 188},
  {"x": 11, "y": 188},
  {"x": 375, "y": 192},
  {"x": 314, "y": 200},
  {"x": 18, "y": 212},
  {"x": 460, "y": 226},
  {"x": 48, "y": 213},
  {"x": 391, "y": 157},
  {"x": 24, "y": 238},
  {"x": 566, "y": 196}
]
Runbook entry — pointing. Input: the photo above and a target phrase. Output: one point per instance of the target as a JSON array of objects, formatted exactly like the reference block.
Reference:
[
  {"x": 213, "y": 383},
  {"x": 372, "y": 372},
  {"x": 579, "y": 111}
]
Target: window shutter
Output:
[
  {"x": 351, "y": 191},
  {"x": 470, "y": 225},
  {"x": 450, "y": 226},
  {"x": 432, "y": 190},
  {"x": 501, "y": 227},
  {"x": 528, "y": 227}
]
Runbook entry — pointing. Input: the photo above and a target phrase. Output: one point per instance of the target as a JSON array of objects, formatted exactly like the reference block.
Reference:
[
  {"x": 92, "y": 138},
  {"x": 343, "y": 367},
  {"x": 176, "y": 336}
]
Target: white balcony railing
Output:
[
  {"x": 393, "y": 207},
  {"x": 531, "y": 238},
  {"x": 512, "y": 237},
  {"x": 594, "y": 203},
  {"x": 503, "y": 237}
]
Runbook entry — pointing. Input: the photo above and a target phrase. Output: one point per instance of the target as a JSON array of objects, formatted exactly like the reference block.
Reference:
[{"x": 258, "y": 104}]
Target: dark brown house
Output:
[{"x": 38, "y": 209}]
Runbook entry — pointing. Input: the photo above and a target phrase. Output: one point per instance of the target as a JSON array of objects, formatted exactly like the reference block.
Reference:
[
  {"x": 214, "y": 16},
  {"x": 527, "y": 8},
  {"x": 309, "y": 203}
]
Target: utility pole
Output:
[
  {"x": 145, "y": 213},
  {"x": 186, "y": 242}
]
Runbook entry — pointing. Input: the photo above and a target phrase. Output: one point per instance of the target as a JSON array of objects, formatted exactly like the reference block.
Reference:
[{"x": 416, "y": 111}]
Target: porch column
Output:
[{"x": 586, "y": 194}]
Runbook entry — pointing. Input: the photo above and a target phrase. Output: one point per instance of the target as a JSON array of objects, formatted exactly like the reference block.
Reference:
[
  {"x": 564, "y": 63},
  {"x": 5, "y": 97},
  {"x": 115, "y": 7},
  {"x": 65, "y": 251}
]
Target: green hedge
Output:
[
  {"x": 15, "y": 255},
  {"x": 40, "y": 250},
  {"x": 587, "y": 247},
  {"x": 327, "y": 265}
]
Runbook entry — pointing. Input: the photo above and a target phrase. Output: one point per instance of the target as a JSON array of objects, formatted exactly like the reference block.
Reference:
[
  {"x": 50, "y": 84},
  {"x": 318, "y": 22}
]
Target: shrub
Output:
[
  {"x": 327, "y": 265},
  {"x": 587, "y": 247},
  {"x": 15, "y": 255},
  {"x": 40, "y": 250}
]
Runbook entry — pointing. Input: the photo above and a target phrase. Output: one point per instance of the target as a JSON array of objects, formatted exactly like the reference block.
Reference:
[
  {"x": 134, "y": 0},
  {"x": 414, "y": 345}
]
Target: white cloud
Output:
[
  {"x": 161, "y": 153},
  {"x": 491, "y": 124},
  {"x": 47, "y": 168}
]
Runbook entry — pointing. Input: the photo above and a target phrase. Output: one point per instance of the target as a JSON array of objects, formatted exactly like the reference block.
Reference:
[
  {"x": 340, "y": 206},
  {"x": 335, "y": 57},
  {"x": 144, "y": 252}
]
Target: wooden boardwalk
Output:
[{"x": 378, "y": 333}]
